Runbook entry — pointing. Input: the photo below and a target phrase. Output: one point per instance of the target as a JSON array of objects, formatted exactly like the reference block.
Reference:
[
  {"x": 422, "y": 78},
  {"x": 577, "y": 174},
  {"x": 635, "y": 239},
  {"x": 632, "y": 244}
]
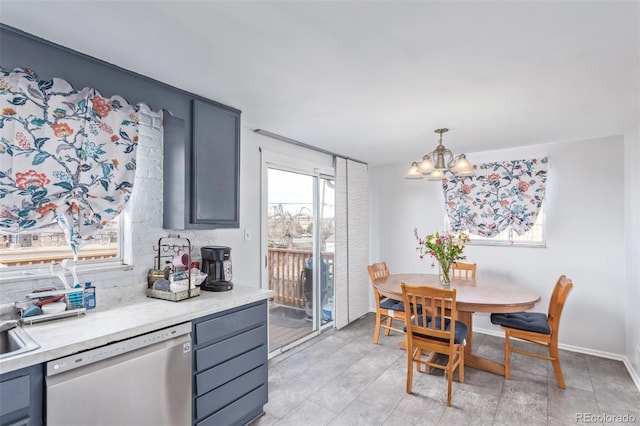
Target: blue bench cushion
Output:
[
  {"x": 528, "y": 321},
  {"x": 458, "y": 338}
]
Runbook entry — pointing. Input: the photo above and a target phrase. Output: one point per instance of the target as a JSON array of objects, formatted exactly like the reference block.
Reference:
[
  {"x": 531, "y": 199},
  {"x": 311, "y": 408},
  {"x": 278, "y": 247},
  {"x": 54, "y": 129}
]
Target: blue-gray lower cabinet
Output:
[
  {"x": 21, "y": 397},
  {"x": 230, "y": 377}
]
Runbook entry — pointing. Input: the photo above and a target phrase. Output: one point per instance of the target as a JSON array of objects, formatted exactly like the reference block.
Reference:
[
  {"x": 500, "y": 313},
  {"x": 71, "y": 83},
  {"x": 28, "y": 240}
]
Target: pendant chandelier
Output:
[{"x": 444, "y": 160}]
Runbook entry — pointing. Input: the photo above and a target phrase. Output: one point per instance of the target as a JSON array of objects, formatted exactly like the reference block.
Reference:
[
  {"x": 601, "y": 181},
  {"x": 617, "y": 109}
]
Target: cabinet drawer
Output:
[
  {"x": 230, "y": 392},
  {"x": 222, "y": 373},
  {"x": 232, "y": 413},
  {"x": 230, "y": 324},
  {"x": 14, "y": 394},
  {"x": 224, "y": 350}
]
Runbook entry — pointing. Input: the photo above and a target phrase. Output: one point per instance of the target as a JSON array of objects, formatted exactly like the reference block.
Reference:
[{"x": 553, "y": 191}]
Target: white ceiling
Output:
[{"x": 373, "y": 79}]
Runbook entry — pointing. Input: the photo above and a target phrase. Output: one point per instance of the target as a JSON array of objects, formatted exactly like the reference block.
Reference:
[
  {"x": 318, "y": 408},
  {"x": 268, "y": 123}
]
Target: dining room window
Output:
[
  {"x": 535, "y": 237},
  {"x": 501, "y": 204}
]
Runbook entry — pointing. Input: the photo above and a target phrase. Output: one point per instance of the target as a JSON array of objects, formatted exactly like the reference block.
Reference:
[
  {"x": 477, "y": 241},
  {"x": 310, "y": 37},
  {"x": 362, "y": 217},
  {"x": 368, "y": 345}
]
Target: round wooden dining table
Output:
[{"x": 483, "y": 294}]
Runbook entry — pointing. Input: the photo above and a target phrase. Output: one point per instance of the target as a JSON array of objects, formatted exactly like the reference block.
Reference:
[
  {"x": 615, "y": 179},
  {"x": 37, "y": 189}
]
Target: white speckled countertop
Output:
[{"x": 67, "y": 336}]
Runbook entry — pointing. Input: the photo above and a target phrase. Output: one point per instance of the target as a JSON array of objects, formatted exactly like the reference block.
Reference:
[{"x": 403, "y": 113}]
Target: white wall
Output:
[
  {"x": 584, "y": 232},
  {"x": 632, "y": 249}
]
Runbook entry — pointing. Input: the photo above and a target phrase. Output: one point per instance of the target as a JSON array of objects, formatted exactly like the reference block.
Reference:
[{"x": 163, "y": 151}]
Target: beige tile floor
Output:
[{"x": 341, "y": 378}]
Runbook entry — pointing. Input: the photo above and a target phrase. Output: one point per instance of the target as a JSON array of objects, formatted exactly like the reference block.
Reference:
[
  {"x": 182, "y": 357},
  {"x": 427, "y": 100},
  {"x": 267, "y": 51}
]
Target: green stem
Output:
[{"x": 445, "y": 270}]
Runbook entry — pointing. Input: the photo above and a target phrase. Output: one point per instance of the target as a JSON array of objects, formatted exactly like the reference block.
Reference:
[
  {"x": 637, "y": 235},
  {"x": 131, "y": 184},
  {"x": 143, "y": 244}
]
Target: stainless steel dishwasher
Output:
[{"x": 145, "y": 380}]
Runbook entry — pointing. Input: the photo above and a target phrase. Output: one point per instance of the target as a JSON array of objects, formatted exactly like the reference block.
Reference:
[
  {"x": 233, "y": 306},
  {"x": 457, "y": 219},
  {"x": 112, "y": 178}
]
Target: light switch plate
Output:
[{"x": 247, "y": 234}]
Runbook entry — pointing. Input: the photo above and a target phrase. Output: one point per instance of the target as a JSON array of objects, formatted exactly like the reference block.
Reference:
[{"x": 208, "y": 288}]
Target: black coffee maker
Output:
[{"x": 216, "y": 263}]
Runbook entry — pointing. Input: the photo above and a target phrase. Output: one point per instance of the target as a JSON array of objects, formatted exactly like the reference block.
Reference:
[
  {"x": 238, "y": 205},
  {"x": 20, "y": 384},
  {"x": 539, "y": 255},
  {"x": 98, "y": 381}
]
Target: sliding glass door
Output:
[{"x": 299, "y": 231}]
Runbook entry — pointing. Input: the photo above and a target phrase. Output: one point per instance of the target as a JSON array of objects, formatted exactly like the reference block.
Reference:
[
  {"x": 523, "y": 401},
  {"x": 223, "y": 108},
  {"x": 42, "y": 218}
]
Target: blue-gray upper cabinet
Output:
[
  {"x": 202, "y": 177},
  {"x": 216, "y": 166}
]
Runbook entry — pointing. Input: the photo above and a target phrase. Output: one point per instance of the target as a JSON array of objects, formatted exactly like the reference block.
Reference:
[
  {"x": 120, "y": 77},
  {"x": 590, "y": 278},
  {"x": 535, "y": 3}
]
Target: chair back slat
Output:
[
  {"x": 415, "y": 312},
  {"x": 464, "y": 270}
]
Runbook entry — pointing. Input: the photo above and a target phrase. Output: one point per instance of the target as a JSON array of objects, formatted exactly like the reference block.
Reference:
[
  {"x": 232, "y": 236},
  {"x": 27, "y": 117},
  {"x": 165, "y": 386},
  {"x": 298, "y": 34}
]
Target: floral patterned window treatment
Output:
[
  {"x": 501, "y": 194},
  {"x": 66, "y": 156}
]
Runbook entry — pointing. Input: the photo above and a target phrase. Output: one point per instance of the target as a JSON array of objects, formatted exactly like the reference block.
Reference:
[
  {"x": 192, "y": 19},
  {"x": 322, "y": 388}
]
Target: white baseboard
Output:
[
  {"x": 587, "y": 351},
  {"x": 635, "y": 376}
]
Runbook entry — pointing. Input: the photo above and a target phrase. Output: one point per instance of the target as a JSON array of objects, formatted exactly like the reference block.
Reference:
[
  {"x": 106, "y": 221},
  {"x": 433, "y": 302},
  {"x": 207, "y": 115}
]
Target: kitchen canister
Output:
[{"x": 155, "y": 275}]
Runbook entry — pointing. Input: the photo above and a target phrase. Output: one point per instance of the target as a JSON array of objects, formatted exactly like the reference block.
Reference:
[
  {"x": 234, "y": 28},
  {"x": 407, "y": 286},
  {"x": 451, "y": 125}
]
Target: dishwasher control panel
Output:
[{"x": 118, "y": 348}]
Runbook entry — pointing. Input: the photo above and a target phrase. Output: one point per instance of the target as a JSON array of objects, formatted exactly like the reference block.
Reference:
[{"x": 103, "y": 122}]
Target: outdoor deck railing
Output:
[
  {"x": 50, "y": 258},
  {"x": 285, "y": 274}
]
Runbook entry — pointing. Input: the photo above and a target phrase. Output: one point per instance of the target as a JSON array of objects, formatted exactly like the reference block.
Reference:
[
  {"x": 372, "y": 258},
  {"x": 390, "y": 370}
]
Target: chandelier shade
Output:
[
  {"x": 437, "y": 174},
  {"x": 414, "y": 171},
  {"x": 441, "y": 159},
  {"x": 463, "y": 167}
]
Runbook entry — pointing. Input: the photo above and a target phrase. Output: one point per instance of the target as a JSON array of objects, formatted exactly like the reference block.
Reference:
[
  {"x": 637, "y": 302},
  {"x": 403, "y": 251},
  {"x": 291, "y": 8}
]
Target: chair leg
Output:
[
  {"x": 449, "y": 373},
  {"x": 409, "y": 351},
  {"x": 461, "y": 365},
  {"x": 376, "y": 331},
  {"x": 555, "y": 361},
  {"x": 389, "y": 322},
  {"x": 507, "y": 355}
]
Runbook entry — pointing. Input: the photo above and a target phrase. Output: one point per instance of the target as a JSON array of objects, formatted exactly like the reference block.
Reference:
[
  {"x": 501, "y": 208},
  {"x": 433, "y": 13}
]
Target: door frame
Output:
[{"x": 275, "y": 160}]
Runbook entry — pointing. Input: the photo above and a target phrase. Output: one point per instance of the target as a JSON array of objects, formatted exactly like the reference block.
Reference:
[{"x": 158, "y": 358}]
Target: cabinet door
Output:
[
  {"x": 175, "y": 168},
  {"x": 21, "y": 396},
  {"x": 216, "y": 166}
]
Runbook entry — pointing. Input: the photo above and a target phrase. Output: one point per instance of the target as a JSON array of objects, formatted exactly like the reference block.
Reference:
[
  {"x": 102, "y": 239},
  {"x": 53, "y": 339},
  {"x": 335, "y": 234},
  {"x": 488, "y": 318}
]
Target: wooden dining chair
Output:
[
  {"x": 463, "y": 270},
  {"x": 538, "y": 328},
  {"x": 387, "y": 310},
  {"x": 434, "y": 329}
]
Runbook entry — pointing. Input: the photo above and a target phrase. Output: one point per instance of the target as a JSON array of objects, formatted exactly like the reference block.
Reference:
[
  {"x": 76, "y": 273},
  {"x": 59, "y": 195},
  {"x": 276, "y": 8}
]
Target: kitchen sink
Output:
[{"x": 14, "y": 340}]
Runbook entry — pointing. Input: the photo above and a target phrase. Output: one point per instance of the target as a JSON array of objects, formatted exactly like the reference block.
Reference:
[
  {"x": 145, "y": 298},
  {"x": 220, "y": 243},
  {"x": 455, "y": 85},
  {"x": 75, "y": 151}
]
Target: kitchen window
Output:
[
  {"x": 71, "y": 160},
  {"x": 29, "y": 251}
]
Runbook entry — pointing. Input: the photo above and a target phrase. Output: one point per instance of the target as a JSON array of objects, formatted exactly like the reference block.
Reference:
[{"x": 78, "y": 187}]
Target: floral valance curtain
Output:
[
  {"x": 501, "y": 194},
  {"x": 66, "y": 156}
]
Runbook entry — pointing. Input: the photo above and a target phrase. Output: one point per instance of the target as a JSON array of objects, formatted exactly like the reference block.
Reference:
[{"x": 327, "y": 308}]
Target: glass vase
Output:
[{"x": 444, "y": 272}]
